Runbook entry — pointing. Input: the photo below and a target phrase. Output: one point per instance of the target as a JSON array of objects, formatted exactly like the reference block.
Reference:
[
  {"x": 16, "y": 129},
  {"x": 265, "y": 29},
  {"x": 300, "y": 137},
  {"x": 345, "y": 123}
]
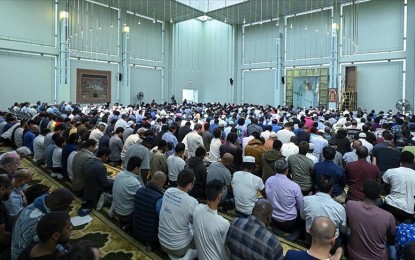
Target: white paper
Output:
[{"x": 78, "y": 221}]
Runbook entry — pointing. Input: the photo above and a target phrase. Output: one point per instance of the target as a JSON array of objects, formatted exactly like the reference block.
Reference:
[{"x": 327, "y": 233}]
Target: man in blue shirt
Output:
[
  {"x": 29, "y": 136},
  {"x": 323, "y": 236},
  {"x": 328, "y": 167}
]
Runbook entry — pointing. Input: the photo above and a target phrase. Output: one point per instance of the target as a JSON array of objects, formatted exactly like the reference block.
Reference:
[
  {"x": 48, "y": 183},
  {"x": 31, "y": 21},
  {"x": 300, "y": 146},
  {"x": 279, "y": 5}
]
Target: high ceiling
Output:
[{"x": 231, "y": 11}]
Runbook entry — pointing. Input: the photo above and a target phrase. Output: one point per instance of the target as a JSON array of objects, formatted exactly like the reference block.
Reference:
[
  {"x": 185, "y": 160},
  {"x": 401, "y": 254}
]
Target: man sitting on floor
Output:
[
  {"x": 322, "y": 204},
  {"x": 53, "y": 229},
  {"x": 147, "y": 206},
  {"x": 9, "y": 162},
  {"x": 219, "y": 171},
  {"x": 176, "y": 215},
  {"x": 249, "y": 238},
  {"x": 5, "y": 221},
  {"x": 401, "y": 182},
  {"x": 323, "y": 232},
  {"x": 80, "y": 159},
  {"x": 24, "y": 232},
  {"x": 246, "y": 186},
  {"x": 17, "y": 200},
  {"x": 210, "y": 228},
  {"x": 96, "y": 177},
  {"x": 371, "y": 227},
  {"x": 286, "y": 199},
  {"x": 328, "y": 167},
  {"x": 358, "y": 172},
  {"x": 124, "y": 189}
]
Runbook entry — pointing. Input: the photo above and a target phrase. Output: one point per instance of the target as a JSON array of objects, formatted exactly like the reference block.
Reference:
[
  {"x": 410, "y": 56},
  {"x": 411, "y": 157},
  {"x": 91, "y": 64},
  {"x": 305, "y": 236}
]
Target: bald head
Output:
[
  {"x": 322, "y": 230},
  {"x": 356, "y": 144},
  {"x": 227, "y": 159},
  {"x": 158, "y": 178},
  {"x": 34, "y": 128}
]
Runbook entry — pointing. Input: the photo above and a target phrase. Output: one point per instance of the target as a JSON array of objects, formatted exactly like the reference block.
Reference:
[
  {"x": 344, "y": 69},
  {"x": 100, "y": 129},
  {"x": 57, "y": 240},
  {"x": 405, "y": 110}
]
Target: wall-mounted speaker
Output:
[
  {"x": 283, "y": 80},
  {"x": 119, "y": 76},
  {"x": 231, "y": 81}
]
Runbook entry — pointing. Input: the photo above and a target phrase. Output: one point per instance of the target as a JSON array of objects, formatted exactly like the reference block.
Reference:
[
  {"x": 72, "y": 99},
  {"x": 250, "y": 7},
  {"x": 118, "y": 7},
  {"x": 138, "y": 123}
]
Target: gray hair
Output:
[{"x": 281, "y": 165}]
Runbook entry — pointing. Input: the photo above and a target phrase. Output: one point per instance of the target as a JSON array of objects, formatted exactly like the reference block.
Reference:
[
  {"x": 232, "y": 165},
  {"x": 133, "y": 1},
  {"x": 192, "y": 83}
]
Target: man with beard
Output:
[
  {"x": 6, "y": 188},
  {"x": 24, "y": 232},
  {"x": 53, "y": 229}
]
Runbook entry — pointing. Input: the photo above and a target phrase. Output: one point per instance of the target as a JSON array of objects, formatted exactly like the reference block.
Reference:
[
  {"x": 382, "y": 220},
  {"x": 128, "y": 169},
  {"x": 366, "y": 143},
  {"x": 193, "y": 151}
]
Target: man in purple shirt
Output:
[{"x": 286, "y": 199}]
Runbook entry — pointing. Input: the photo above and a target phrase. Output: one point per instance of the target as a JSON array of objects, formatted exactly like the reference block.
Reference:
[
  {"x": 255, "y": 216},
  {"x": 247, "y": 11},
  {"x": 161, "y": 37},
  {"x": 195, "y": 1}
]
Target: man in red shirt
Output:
[{"x": 358, "y": 172}]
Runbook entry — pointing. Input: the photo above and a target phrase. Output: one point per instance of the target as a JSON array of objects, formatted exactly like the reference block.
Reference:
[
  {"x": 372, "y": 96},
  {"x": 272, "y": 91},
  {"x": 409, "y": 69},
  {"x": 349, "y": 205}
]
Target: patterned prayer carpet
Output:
[{"x": 113, "y": 241}]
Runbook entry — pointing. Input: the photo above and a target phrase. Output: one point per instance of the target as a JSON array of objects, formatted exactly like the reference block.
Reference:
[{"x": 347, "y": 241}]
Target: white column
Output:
[
  {"x": 63, "y": 88},
  {"x": 279, "y": 88},
  {"x": 334, "y": 63},
  {"x": 125, "y": 93}
]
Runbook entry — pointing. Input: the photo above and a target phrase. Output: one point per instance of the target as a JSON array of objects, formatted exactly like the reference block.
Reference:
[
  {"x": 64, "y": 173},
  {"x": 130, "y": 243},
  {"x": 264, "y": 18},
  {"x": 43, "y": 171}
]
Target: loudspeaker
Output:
[
  {"x": 119, "y": 77},
  {"x": 283, "y": 80},
  {"x": 231, "y": 81}
]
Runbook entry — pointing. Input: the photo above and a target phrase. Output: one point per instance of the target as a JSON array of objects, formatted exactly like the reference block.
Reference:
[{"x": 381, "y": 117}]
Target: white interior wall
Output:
[
  {"x": 26, "y": 78},
  {"x": 308, "y": 37},
  {"x": 203, "y": 56},
  {"x": 145, "y": 38},
  {"x": 84, "y": 33},
  {"x": 379, "y": 85},
  {"x": 369, "y": 30},
  {"x": 28, "y": 21},
  {"x": 148, "y": 81},
  {"x": 257, "y": 87}
]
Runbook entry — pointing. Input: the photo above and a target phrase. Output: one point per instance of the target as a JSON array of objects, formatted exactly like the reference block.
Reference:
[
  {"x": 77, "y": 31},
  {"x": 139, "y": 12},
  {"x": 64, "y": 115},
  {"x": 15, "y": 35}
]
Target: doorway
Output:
[{"x": 191, "y": 95}]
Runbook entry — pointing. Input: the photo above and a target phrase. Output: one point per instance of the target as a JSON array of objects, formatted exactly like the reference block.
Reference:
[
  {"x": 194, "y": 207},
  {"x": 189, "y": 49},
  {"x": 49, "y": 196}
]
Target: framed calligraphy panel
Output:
[{"x": 93, "y": 86}]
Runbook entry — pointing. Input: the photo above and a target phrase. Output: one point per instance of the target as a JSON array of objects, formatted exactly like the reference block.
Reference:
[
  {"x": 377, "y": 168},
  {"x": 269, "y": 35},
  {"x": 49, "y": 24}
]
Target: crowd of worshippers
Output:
[{"x": 342, "y": 182}]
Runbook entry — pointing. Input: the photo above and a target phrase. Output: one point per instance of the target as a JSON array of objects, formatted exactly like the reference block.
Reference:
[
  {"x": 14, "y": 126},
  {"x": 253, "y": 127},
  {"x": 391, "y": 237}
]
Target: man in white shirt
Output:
[
  {"x": 362, "y": 138},
  {"x": 176, "y": 216},
  {"x": 284, "y": 135},
  {"x": 245, "y": 186},
  {"x": 290, "y": 148},
  {"x": 401, "y": 181},
  {"x": 175, "y": 164},
  {"x": 39, "y": 148},
  {"x": 214, "y": 153},
  {"x": 122, "y": 122},
  {"x": 228, "y": 129},
  {"x": 193, "y": 140},
  {"x": 319, "y": 143},
  {"x": 125, "y": 186},
  {"x": 310, "y": 154},
  {"x": 98, "y": 132},
  {"x": 209, "y": 228}
]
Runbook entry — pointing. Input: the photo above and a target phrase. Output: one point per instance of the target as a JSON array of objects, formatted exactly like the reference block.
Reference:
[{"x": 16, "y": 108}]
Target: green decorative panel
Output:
[{"x": 307, "y": 87}]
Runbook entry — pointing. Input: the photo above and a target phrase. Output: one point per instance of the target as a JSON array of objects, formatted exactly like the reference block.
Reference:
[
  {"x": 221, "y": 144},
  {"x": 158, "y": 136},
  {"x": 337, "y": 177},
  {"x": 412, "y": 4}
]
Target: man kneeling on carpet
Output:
[
  {"x": 53, "y": 229},
  {"x": 147, "y": 206},
  {"x": 176, "y": 215},
  {"x": 24, "y": 232},
  {"x": 323, "y": 233}
]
